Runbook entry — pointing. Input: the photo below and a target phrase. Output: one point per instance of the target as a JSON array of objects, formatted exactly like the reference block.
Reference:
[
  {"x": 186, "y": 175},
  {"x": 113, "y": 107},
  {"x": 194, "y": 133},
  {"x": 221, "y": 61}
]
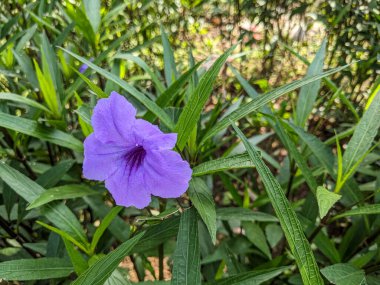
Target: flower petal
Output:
[
  {"x": 100, "y": 160},
  {"x": 113, "y": 119},
  {"x": 128, "y": 190},
  {"x": 166, "y": 174},
  {"x": 151, "y": 137}
]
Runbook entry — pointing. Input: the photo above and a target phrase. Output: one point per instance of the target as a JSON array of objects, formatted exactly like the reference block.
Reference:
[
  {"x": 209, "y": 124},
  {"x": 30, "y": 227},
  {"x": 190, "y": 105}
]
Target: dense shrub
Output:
[{"x": 273, "y": 114}]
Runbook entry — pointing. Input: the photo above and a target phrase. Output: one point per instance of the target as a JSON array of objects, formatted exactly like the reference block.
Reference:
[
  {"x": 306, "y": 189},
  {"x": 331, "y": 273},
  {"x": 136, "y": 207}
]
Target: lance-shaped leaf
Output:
[
  {"x": 141, "y": 97},
  {"x": 34, "y": 129},
  {"x": 362, "y": 138},
  {"x": 186, "y": 258},
  {"x": 35, "y": 269},
  {"x": 308, "y": 93},
  {"x": 264, "y": 99},
  {"x": 98, "y": 273},
  {"x": 222, "y": 164},
  {"x": 193, "y": 108},
  {"x": 290, "y": 224},
  {"x": 201, "y": 197}
]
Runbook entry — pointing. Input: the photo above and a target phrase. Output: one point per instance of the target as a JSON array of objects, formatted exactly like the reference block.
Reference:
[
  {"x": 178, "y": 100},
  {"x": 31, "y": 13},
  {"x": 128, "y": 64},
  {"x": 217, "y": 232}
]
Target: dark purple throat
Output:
[{"x": 135, "y": 157}]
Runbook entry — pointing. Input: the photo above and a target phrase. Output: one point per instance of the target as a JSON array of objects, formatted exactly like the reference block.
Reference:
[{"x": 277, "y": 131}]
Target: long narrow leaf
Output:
[
  {"x": 35, "y": 269},
  {"x": 59, "y": 214},
  {"x": 192, "y": 111},
  {"x": 149, "y": 104},
  {"x": 32, "y": 128},
  {"x": 20, "y": 99},
  {"x": 363, "y": 136},
  {"x": 98, "y": 273},
  {"x": 264, "y": 99},
  {"x": 186, "y": 258},
  {"x": 290, "y": 224},
  {"x": 221, "y": 164},
  {"x": 308, "y": 93}
]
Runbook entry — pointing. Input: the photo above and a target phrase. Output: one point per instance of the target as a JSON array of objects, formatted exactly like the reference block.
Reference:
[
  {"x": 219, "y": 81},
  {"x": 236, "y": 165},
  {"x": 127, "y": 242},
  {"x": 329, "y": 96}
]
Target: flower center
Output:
[{"x": 135, "y": 157}]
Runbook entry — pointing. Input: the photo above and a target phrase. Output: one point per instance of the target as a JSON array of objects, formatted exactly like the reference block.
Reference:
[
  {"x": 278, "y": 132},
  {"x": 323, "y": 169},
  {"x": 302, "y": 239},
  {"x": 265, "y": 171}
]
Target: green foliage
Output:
[
  {"x": 290, "y": 224},
  {"x": 309, "y": 214}
]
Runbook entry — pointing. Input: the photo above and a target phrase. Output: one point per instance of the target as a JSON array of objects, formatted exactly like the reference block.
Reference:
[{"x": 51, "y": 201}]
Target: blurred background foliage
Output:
[{"x": 145, "y": 48}]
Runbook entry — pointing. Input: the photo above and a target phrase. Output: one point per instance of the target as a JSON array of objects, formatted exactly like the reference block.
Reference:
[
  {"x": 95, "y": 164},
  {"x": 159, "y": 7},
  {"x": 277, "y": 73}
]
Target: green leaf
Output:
[
  {"x": 193, "y": 108},
  {"x": 201, "y": 197},
  {"x": 244, "y": 83},
  {"x": 99, "y": 92},
  {"x": 373, "y": 209},
  {"x": 20, "y": 99},
  {"x": 64, "y": 235},
  {"x": 290, "y": 224},
  {"x": 98, "y": 273},
  {"x": 256, "y": 236},
  {"x": 48, "y": 91},
  {"x": 264, "y": 99},
  {"x": 243, "y": 214},
  {"x": 35, "y": 269},
  {"x": 115, "y": 44},
  {"x": 54, "y": 174},
  {"x": 255, "y": 277},
  {"x": 50, "y": 67},
  {"x": 70, "y": 191},
  {"x": 171, "y": 92},
  {"x": 344, "y": 274},
  {"x": 27, "y": 68},
  {"x": 141, "y": 97},
  {"x": 81, "y": 21},
  {"x": 325, "y": 156},
  {"x": 160, "y": 87},
  {"x": 119, "y": 229},
  {"x": 103, "y": 226},
  {"x": 77, "y": 260},
  {"x": 92, "y": 8},
  {"x": 274, "y": 234},
  {"x": 29, "y": 33},
  {"x": 326, "y": 200},
  {"x": 170, "y": 68},
  {"x": 158, "y": 234},
  {"x": 308, "y": 93},
  {"x": 222, "y": 164},
  {"x": 57, "y": 213},
  {"x": 297, "y": 156},
  {"x": 186, "y": 258},
  {"x": 326, "y": 245},
  {"x": 364, "y": 134},
  {"x": 32, "y": 128},
  {"x": 329, "y": 83}
]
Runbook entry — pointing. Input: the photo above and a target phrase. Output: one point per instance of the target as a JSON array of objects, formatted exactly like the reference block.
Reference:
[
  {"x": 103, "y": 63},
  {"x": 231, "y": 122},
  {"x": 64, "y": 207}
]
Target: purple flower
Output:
[
  {"x": 133, "y": 156},
  {"x": 84, "y": 66}
]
